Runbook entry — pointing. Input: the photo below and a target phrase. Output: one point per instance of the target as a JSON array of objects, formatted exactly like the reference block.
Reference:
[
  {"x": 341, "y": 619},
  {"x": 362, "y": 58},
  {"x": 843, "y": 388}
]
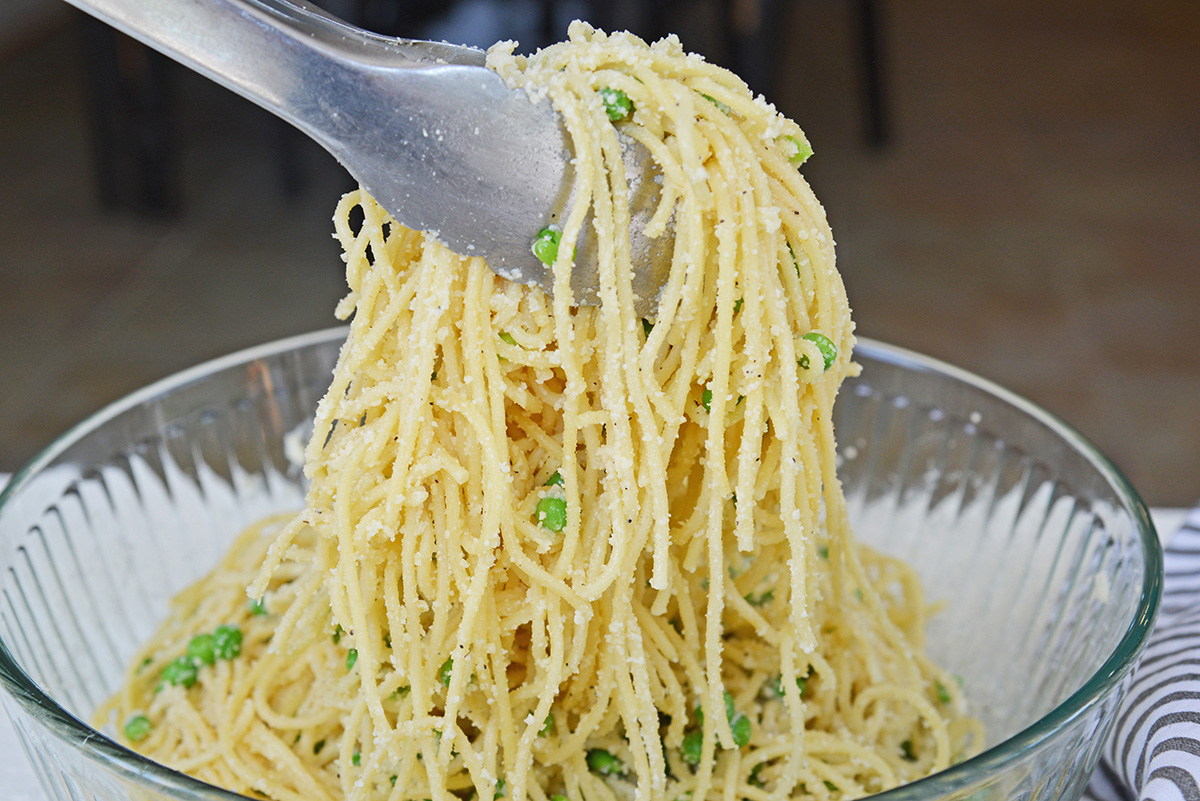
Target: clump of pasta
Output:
[{"x": 559, "y": 552}]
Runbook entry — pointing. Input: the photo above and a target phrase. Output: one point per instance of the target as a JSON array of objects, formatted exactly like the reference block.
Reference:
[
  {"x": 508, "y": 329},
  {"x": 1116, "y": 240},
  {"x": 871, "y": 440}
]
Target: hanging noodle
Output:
[{"x": 569, "y": 553}]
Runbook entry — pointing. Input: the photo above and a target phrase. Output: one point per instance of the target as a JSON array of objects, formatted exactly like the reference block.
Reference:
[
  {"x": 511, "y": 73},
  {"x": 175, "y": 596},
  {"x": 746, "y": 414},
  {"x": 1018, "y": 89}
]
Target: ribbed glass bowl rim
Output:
[{"x": 991, "y": 762}]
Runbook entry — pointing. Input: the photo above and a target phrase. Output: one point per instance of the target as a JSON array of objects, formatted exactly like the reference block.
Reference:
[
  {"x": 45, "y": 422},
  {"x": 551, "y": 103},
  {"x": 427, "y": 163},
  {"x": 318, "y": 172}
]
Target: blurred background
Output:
[{"x": 1015, "y": 188}]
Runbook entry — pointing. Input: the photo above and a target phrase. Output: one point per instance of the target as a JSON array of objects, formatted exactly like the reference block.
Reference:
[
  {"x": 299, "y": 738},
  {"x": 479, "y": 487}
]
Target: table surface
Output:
[{"x": 20, "y": 784}]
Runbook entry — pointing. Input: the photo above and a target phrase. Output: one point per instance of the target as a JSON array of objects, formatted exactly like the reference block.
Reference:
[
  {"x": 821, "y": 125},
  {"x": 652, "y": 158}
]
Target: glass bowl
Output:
[{"x": 1046, "y": 559}]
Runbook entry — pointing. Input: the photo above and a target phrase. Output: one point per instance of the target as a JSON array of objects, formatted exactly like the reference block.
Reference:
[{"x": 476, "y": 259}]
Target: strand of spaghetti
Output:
[
  {"x": 489, "y": 536},
  {"x": 609, "y": 554},
  {"x": 649, "y": 467},
  {"x": 574, "y": 384},
  {"x": 716, "y": 480}
]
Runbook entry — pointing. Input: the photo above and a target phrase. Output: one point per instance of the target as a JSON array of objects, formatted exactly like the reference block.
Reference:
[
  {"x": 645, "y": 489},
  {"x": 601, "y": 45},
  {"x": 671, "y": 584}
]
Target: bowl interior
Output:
[
  {"x": 1036, "y": 559},
  {"x": 1043, "y": 559}
]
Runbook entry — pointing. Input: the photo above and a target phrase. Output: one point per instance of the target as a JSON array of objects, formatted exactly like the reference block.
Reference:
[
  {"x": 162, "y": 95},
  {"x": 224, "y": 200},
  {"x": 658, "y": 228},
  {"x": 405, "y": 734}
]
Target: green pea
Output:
[
  {"x": 227, "y": 641},
  {"x": 693, "y": 744},
  {"x": 138, "y": 728},
  {"x": 603, "y": 763},
  {"x": 545, "y": 244},
  {"x": 555, "y": 480},
  {"x": 801, "y": 684},
  {"x": 355, "y": 759},
  {"x": 617, "y": 104},
  {"x": 180, "y": 672},
  {"x": 552, "y": 513},
  {"x": 824, "y": 344},
  {"x": 730, "y": 715},
  {"x": 202, "y": 649}
]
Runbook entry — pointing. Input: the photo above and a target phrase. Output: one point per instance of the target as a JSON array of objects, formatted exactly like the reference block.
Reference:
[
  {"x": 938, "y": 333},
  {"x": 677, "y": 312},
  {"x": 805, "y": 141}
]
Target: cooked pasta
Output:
[{"x": 559, "y": 552}]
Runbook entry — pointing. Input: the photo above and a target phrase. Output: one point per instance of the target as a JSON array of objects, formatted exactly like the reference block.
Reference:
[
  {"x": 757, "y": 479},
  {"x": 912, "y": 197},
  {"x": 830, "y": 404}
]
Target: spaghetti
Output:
[{"x": 568, "y": 553}]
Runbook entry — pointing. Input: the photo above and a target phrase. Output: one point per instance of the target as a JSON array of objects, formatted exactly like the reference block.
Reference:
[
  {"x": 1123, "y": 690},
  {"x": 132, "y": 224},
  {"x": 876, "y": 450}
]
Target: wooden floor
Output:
[{"x": 1035, "y": 218}]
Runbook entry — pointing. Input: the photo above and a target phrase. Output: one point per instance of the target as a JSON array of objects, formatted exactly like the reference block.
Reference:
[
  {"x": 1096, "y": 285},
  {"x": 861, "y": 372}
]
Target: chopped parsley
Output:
[
  {"x": 797, "y": 148},
  {"x": 726, "y": 110}
]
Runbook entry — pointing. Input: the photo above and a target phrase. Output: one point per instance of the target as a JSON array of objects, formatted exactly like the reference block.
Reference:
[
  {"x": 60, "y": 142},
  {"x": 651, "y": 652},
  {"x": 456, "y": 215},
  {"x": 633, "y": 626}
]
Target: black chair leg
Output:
[
  {"x": 871, "y": 72},
  {"x": 755, "y": 56},
  {"x": 754, "y": 45},
  {"x": 288, "y": 143},
  {"x": 128, "y": 95}
]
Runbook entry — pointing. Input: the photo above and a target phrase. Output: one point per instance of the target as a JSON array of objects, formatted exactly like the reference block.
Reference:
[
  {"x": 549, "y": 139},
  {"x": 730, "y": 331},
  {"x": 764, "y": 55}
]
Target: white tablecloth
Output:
[{"x": 19, "y": 783}]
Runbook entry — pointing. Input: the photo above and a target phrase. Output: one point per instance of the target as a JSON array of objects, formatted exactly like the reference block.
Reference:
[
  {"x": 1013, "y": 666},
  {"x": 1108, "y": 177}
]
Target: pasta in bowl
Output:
[
  {"x": 1039, "y": 554},
  {"x": 544, "y": 551}
]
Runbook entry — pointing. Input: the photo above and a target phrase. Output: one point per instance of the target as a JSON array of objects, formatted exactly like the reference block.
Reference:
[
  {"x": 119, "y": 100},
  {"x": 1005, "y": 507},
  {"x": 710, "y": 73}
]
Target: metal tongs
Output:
[{"x": 437, "y": 138}]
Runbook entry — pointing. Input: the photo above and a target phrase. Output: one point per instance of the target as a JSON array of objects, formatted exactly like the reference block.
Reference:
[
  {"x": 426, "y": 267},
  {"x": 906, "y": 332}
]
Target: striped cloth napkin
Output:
[{"x": 1154, "y": 751}]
